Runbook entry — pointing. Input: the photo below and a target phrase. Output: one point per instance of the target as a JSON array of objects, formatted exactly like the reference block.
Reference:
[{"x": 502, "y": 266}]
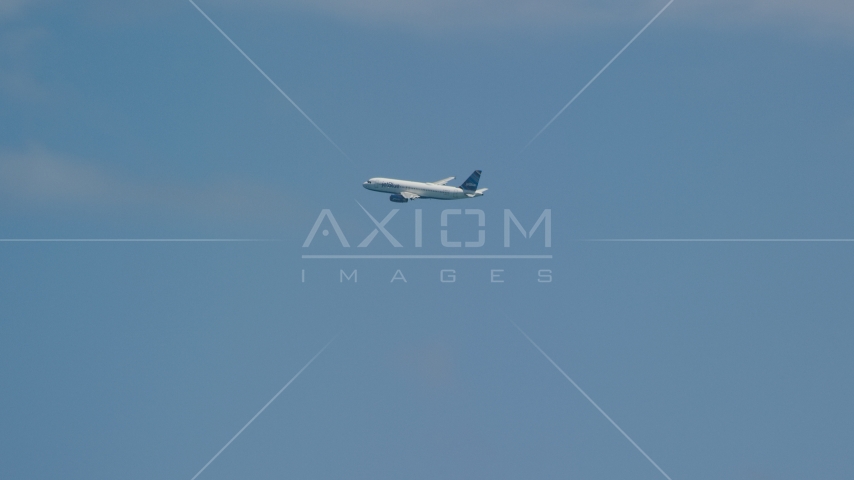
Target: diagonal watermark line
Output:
[
  {"x": 271, "y": 81},
  {"x": 266, "y": 405},
  {"x": 597, "y": 75},
  {"x": 380, "y": 228},
  {"x": 590, "y": 400}
]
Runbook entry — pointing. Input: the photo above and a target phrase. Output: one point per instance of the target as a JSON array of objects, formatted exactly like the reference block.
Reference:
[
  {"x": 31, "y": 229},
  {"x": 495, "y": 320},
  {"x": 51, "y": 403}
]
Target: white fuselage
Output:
[{"x": 423, "y": 190}]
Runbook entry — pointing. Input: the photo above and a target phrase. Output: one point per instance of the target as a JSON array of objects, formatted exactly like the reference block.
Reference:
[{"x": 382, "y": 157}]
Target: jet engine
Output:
[{"x": 396, "y": 197}]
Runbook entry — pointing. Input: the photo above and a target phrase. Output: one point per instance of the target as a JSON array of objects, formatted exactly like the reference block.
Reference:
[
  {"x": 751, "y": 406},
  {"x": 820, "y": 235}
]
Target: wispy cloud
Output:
[
  {"x": 17, "y": 43},
  {"x": 37, "y": 179},
  {"x": 825, "y": 18},
  {"x": 17, "y": 80},
  {"x": 822, "y": 17},
  {"x": 432, "y": 15},
  {"x": 21, "y": 85},
  {"x": 9, "y": 8}
]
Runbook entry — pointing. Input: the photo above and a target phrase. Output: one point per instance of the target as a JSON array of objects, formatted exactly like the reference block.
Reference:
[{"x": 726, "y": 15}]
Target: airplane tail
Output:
[{"x": 470, "y": 185}]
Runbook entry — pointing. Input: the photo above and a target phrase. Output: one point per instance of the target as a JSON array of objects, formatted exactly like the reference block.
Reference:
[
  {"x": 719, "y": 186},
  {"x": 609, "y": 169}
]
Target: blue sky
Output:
[{"x": 140, "y": 360}]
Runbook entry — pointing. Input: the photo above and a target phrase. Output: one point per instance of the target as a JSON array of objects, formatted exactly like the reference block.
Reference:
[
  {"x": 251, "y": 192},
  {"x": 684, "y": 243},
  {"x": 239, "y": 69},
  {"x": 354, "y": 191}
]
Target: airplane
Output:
[{"x": 403, "y": 191}]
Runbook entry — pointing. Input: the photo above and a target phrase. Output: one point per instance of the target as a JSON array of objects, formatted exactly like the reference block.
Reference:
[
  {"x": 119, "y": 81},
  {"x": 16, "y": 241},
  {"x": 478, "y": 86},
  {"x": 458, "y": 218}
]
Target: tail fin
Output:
[{"x": 470, "y": 185}]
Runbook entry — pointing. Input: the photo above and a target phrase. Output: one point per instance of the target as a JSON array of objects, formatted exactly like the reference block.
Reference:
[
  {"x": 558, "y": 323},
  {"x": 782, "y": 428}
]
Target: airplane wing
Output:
[
  {"x": 409, "y": 196},
  {"x": 443, "y": 181}
]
